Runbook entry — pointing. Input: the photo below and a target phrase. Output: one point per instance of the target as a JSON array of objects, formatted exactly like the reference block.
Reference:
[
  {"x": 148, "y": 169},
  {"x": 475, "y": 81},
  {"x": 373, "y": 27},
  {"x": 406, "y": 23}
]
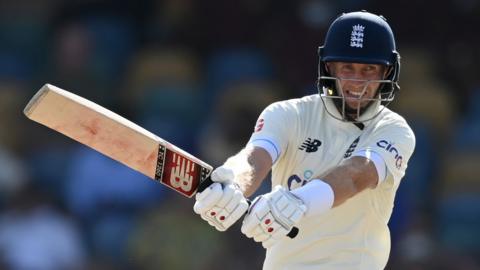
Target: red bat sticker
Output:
[{"x": 178, "y": 172}]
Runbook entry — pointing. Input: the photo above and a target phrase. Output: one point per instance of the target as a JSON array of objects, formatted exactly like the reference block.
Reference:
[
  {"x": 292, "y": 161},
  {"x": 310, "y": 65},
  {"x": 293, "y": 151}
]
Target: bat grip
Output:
[
  {"x": 208, "y": 181},
  {"x": 204, "y": 184}
]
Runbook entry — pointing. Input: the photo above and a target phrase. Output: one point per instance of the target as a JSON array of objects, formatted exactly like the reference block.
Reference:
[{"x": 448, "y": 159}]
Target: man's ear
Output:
[{"x": 327, "y": 67}]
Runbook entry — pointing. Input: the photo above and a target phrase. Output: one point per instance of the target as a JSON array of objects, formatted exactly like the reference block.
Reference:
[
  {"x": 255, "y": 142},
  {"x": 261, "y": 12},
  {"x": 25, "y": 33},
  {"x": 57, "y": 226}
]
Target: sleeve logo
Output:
[
  {"x": 388, "y": 146},
  {"x": 259, "y": 125}
]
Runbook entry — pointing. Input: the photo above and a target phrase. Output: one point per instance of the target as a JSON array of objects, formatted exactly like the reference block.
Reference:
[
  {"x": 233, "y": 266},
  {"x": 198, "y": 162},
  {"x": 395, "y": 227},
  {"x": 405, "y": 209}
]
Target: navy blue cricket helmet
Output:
[{"x": 359, "y": 37}]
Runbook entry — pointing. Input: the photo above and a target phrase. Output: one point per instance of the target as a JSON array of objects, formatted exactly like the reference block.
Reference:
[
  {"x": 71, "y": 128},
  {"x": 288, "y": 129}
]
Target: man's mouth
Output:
[{"x": 354, "y": 94}]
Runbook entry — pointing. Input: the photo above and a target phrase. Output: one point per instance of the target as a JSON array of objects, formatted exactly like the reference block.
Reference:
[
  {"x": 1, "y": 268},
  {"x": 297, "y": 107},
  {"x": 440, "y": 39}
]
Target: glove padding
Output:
[
  {"x": 271, "y": 216},
  {"x": 222, "y": 203}
]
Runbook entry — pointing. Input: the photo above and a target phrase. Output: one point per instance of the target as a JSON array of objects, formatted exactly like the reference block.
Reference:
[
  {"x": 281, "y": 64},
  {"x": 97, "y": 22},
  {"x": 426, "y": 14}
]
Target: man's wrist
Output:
[{"x": 317, "y": 195}]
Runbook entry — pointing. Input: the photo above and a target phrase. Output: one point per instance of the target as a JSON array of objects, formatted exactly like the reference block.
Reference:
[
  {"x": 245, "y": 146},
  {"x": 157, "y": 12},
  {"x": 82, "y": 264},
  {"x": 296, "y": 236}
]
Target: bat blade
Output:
[{"x": 118, "y": 138}]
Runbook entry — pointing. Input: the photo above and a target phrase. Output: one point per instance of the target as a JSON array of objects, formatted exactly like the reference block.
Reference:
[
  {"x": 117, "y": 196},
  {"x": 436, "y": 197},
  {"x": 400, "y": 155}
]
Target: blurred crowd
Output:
[{"x": 198, "y": 73}]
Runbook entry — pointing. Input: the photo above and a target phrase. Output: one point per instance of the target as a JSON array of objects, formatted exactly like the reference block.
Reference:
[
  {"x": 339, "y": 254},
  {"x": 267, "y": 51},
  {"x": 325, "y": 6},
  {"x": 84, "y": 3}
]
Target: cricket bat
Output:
[{"x": 120, "y": 139}]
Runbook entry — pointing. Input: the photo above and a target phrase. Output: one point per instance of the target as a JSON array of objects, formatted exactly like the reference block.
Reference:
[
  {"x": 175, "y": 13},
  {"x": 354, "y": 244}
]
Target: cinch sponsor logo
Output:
[
  {"x": 295, "y": 181},
  {"x": 391, "y": 149}
]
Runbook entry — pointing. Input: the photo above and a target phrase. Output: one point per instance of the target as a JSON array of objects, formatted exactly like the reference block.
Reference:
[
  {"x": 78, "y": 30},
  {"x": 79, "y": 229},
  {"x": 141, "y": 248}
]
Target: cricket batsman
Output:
[{"x": 337, "y": 159}]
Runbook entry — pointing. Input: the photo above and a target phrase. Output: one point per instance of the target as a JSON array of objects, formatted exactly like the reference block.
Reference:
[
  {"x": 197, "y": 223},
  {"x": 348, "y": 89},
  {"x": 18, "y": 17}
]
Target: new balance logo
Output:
[
  {"x": 181, "y": 176},
  {"x": 310, "y": 145},
  {"x": 351, "y": 148}
]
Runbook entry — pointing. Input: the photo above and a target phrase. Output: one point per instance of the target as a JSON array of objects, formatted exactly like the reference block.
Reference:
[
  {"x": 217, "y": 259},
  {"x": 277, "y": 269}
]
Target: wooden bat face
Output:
[{"x": 118, "y": 138}]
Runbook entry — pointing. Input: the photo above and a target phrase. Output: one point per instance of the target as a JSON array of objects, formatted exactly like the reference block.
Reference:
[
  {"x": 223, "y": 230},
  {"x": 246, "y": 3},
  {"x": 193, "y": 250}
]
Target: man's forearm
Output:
[
  {"x": 337, "y": 186},
  {"x": 251, "y": 166},
  {"x": 350, "y": 178}
]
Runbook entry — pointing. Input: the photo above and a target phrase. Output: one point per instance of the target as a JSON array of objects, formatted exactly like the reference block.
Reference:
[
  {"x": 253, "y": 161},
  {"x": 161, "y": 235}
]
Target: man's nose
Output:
[
  {"x": 355, "y": 83},
  {"x": 358, "y": 76}
]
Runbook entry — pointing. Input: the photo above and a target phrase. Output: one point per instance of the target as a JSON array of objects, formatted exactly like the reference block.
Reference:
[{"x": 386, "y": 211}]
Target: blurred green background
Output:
[{"x": 198, "y": 73}]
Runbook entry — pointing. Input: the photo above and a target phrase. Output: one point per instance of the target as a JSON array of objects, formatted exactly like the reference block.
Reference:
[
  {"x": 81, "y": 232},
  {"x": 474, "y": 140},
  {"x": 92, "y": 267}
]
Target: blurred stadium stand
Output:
[{"x": 198, "y": 73}]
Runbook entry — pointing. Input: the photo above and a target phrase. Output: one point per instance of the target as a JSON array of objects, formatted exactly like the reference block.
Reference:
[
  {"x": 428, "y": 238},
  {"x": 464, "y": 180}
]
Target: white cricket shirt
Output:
[{"x": 305, "y": 142}]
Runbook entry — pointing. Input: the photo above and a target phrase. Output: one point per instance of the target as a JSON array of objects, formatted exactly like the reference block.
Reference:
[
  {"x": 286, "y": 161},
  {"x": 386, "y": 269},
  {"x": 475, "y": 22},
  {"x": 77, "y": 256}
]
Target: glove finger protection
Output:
[
  {"x": 208, "y": 198},
  {"x": 223, "y": 203},
  {"x": 271, "y": 216}
]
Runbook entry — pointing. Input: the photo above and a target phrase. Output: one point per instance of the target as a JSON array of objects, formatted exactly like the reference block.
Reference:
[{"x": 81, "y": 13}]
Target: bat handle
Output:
[
  {"x": 207, "y": 182},
  {"x": 204, "y": 184}
]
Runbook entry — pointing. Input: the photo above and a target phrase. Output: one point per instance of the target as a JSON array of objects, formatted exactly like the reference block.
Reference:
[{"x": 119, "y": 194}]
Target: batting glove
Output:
[
  {"x": 272, "y": 216},
  {"x": 222, "y": 203}
]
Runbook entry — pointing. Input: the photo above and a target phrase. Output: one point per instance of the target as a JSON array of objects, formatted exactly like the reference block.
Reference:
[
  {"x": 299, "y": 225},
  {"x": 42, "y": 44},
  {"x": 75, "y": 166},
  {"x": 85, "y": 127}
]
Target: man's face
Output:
[{"x": 353, "y": 83}]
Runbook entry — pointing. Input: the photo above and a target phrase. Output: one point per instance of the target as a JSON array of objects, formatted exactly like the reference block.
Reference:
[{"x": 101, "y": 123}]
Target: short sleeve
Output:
[
  {"x": 273, "y": 129},
  {"x": 395, "y": 143}
]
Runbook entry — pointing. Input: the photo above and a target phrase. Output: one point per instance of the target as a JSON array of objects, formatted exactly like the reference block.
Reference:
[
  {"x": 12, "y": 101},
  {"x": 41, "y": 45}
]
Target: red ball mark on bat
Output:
[
  {"x": 213, "y": 213},
  {"x": 270, "y": 229},
  {"x": 91, "y": 127},
  {"x": 222, "y": 218},
  {"x": 267, "y": 221}
]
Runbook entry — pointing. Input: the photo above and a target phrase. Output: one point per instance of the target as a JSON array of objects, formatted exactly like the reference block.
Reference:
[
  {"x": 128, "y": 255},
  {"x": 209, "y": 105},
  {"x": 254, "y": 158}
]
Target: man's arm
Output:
[
  {"x": 251, "y": 167},
  {"x": 274, "y": 214},
  {"x": 350, "y": 178},
  {"x": 341, "y": 183}
]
